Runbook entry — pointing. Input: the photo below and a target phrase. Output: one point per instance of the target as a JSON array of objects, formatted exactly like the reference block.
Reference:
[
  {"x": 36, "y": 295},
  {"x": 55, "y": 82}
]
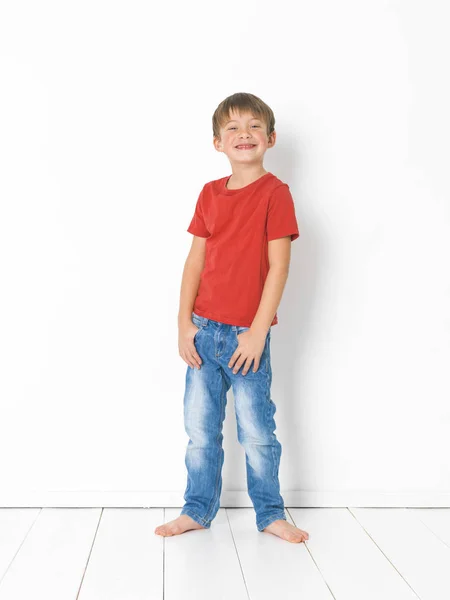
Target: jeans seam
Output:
[
  {"x": 270, "y": 519},
  {"x": 188, "y": 510},
  {"x": 216, "y": 486}
]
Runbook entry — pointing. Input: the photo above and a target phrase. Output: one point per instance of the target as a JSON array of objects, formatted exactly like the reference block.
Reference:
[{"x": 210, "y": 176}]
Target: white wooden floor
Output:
[{"x": 113, "y": 553}]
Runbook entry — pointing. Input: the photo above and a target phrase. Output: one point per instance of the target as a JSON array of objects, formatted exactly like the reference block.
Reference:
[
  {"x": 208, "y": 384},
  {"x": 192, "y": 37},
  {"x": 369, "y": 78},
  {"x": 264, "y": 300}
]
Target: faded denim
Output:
[{"x": 205, "y": 400}]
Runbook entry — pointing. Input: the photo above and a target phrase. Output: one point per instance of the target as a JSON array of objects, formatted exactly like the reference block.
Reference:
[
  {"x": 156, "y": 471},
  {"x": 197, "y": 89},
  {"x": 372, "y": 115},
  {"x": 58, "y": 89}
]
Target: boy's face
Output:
[{"x": 241, "y": 130}]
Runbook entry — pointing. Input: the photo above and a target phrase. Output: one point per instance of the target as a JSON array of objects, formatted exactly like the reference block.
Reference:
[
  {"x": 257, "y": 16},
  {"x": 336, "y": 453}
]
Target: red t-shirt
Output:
[{"x": 238, "y": 225}]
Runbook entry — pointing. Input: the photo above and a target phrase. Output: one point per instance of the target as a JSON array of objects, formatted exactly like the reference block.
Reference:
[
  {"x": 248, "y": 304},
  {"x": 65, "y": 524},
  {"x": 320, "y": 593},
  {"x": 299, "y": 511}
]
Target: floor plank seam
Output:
[{"x": 386, "y": 557}]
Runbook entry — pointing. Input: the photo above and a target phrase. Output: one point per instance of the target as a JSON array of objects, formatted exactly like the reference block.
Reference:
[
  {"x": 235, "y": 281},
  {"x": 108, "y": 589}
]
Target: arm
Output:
[
  {"x": 279, "y": 251},
  {"x": 191, "y": 279},
  {"x": 251, "y": 345},
  {"x": 189, "y": 286}
]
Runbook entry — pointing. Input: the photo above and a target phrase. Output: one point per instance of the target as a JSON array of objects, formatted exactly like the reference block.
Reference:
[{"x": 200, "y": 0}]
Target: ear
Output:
[
  {"x": 217, "y": 144},
  {"x": 272, "y": 138}
]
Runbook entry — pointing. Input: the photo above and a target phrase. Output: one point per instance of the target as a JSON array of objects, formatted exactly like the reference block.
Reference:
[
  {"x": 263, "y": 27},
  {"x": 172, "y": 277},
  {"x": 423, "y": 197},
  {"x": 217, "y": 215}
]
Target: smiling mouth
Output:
[{"x": 245, "y": 146}]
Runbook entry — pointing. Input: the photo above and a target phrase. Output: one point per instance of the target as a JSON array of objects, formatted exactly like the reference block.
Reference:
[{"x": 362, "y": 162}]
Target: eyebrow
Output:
[{"x": 235, "y": 121}]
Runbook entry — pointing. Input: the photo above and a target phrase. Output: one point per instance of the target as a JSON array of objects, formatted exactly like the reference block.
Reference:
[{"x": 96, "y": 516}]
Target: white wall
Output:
[{"x": 105, "y": 143}]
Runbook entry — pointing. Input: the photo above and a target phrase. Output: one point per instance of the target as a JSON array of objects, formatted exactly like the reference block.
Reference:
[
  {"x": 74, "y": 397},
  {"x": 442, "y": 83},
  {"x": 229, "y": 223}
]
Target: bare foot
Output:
[
  {"x": 179, "y": 525},
  {"x": 286, "y": 531}
]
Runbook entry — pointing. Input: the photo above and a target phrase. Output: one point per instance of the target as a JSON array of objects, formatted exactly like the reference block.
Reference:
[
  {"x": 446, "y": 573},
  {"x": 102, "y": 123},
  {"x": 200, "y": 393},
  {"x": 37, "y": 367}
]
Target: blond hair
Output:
[{"x": 242, "y": 102}]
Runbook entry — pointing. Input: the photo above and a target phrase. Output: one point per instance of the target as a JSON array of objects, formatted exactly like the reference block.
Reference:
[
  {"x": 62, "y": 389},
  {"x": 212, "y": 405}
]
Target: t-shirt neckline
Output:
[{"x": 227, "y": 192}]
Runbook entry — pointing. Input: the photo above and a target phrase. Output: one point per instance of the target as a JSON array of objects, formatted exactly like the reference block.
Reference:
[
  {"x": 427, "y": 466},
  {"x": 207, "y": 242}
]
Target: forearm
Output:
[
  {"x": 189, "y": 287},
  {"x": 270, "y": 299}
]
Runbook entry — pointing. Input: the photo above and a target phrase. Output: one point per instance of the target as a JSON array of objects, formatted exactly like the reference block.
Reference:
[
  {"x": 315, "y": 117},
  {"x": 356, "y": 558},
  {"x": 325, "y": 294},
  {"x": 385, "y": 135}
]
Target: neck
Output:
[{"x": 241, "y": 178}]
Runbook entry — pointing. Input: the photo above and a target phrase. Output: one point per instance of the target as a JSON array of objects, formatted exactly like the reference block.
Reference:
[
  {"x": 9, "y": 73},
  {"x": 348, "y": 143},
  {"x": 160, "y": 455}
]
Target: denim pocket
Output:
[
  {"x": 267, "y": 352},
  {"x": 198, "y": 323},
  {"x": 241, "y": 329}
]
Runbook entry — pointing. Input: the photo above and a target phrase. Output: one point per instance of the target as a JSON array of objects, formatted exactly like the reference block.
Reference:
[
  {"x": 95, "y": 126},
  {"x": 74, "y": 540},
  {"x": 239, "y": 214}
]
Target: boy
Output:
[{"x": 232, "y": 284}]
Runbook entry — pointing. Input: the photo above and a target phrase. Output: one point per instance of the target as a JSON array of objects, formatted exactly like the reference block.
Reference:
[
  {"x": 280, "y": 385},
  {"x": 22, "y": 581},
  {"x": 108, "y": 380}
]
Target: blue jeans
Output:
[{"x": 205, "y": 400}]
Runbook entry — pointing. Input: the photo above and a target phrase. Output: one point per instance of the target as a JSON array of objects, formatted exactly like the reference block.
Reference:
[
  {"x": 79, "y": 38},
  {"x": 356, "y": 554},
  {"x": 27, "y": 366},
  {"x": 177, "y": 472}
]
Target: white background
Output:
[{"x": 105, "y": 144}]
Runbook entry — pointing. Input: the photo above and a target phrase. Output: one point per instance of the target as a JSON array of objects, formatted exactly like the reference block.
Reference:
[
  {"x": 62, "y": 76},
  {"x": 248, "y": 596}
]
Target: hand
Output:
[
  {"x": 250, "y": 348},
  {"x": 186, "y": 346}
]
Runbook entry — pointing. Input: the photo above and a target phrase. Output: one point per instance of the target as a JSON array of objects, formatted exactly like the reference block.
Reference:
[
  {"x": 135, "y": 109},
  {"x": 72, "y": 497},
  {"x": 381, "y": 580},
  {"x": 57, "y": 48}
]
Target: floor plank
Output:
[
  {"x": 127, "y": 558},
  {"x": 436, "y": 519},
  {"x": 416, "y": 552},
  {"x": 351, "y": 554},
  {"x": 202, "y": 564},
  {"x": 51, "y": 561},
  {"x": 272, "y": 567},
  {"x": 15, "y": 525},
  {"x": 350, "y": 562}
]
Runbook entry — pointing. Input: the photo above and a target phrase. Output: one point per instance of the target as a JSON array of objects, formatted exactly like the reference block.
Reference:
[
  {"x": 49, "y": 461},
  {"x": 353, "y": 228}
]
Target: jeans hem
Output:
[
  {"x": 197, "y": 519},
  {"x": 270, "y": 520}
]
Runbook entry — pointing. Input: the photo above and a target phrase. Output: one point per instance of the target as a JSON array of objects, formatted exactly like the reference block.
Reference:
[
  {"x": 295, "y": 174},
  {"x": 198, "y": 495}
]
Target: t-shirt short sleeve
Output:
[
  {"x": 197, "y": 225},
  {"x": 281, "y": 218}
]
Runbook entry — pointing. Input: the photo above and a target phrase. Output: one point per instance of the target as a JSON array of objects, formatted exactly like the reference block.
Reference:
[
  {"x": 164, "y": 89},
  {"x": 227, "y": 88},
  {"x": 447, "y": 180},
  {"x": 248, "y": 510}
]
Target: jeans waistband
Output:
[{"x": 204, "y": 322}]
